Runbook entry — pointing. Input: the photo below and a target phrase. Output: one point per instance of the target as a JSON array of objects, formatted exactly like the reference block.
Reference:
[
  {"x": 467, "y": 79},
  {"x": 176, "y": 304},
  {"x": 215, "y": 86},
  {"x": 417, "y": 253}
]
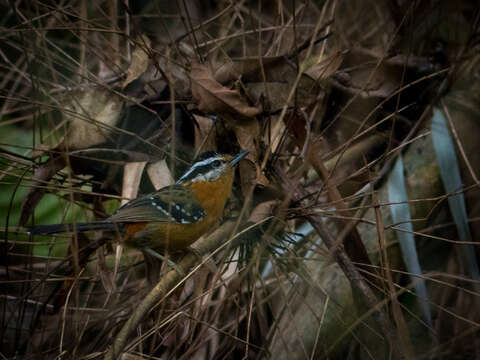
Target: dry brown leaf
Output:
[
  {"x": 168, "y": 69},
  {"x": 176, "y": 72},
  {"x": 91, "y": 115},
  {"x": 275, "y": 85},
  {"x": 322, "y": 69},
  {"x": 212, "y": 97},
  {"x": 140, "y": 59},
  {"x": 204, "y": 134},
  {"x": 159, "y": 174},
  {"x": 263, "y": 210},
  {"x": 274, "y": 93},
  {"x": 247, "y": 133},
  {"x": 368, "y": 81},
  {"x": 132, "y": 174},
  {"x": 233, "y": 69},
  {"x": 248, "y": 171}
]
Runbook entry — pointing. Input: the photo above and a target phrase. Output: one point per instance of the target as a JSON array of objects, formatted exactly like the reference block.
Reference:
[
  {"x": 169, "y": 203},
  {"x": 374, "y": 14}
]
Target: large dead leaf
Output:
[
  {"x": 248, "y": 171},
  {"x": 205, "y": 138},
  {"x": 247, "y": 135},
  {"x": 166, "y": 68},
  {"x": 140, "y": 59},
  {"x": 321, "y": 69},
  {"x": 250, "y": 67},
  {"x": 159, "y": 174},
  {"x": 274, "y": 94},
  {"x": 91, "y": 115},
  {"x": 212, "y": 97},
  {"x": 132, "y": 175}
]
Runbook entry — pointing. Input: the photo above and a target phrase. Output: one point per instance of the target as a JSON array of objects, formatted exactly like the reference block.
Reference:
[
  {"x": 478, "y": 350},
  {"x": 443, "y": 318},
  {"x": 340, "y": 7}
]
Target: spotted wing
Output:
[{"x": 173, "y": 203}]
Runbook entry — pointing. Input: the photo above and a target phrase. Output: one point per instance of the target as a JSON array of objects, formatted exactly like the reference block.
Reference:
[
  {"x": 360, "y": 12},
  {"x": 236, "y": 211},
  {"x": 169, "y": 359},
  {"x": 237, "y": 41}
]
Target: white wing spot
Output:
[{"x": 163, "y": 210}]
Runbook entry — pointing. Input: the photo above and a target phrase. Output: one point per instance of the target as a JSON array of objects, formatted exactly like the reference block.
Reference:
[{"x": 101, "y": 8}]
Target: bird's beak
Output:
[{"x": 238, "y": 157}]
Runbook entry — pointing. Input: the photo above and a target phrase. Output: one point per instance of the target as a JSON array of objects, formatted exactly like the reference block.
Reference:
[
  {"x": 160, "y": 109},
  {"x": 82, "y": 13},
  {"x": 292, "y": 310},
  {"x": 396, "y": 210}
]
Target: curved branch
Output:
[{"x": 168, "y": 282}]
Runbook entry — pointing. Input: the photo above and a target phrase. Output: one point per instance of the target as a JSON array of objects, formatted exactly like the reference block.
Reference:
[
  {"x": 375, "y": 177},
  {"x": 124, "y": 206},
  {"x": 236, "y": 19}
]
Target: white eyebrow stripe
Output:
[{"x": 199, "y": 164}]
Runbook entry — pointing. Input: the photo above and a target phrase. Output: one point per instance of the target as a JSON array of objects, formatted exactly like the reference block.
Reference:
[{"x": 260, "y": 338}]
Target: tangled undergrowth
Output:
[{"x": 352, "y": 225}]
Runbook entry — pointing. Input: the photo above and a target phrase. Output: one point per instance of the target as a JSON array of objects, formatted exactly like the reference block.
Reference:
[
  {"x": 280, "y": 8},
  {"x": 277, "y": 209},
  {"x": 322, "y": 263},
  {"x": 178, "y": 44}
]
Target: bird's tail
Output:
[{"x": 62, "y": 228}]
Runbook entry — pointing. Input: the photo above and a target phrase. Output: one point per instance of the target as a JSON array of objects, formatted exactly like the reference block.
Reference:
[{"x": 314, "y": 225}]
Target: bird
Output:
[{"x": 173, "y": 217}]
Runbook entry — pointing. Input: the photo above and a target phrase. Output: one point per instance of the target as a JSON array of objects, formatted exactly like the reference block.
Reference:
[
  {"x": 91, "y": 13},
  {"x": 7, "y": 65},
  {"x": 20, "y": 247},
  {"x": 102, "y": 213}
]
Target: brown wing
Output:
[{"x": 173, "y": 203}]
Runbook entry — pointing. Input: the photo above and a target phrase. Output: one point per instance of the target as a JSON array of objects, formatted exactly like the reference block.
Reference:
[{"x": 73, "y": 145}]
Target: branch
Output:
[{"x": 168, "y": 282}]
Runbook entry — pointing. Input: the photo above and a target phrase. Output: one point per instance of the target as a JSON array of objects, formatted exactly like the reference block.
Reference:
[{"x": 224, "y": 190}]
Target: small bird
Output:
[{"x": 174, "y": 216}]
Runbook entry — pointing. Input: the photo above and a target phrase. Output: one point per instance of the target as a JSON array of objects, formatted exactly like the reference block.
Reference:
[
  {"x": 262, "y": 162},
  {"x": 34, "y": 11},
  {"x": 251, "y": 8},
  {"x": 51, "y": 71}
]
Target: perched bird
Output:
[{"x": 174, "y": 216}]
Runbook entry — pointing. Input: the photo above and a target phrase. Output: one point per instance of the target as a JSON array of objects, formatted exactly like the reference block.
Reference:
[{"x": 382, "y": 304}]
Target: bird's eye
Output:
[{"x": 216, "y": 163}]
